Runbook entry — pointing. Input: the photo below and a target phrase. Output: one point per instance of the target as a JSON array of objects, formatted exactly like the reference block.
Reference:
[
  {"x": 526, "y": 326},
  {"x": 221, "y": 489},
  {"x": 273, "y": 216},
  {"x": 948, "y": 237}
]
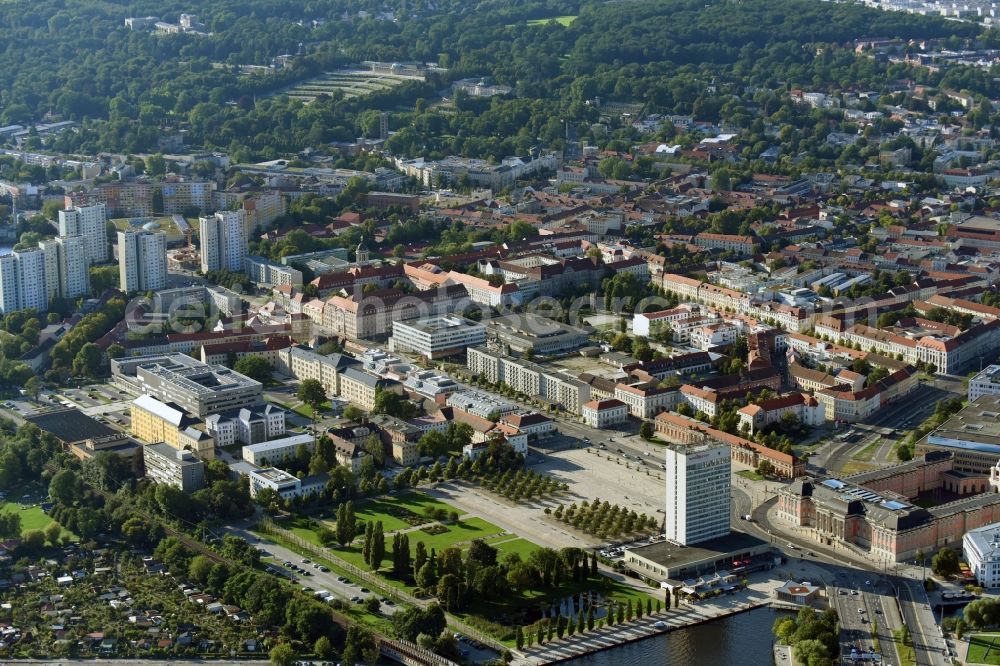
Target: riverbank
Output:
[{"x": 607, "y": 638}]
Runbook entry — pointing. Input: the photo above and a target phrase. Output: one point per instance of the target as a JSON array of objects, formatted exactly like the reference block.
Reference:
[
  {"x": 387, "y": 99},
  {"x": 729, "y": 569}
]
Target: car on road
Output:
[
  {"x": 587, "y": 440},
  {"x": 305, "y": 561},
  {"x": 659, "y": 624},
  {"x": 342, "y": 579},
  {"x": 365, "y": 589},
  {"x": 842, "y": 592},
  {"x": 324, "y": 569},
  {"x": 861, "y": 610}
]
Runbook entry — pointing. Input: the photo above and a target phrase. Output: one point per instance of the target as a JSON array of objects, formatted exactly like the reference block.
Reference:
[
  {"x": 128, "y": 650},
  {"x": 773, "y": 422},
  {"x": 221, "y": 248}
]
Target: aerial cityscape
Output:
[{"x": 518, "y": 332}]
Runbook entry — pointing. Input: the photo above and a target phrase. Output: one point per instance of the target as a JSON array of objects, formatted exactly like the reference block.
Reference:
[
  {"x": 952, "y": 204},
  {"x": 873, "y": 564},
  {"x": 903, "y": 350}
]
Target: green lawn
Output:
[
  {"x": 384, "y": 508},
  {"x": 984, "y": 649},
  {"x": 750, "y": 474},
  {"x": 564, "y": 21},
  {"x": 31, "y": 519},
  {"x": 511, "y": 544}
]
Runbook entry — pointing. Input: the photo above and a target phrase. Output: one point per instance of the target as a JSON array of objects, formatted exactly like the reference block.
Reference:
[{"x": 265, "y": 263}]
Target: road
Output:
[
  {"x": 903, "y": 415},
  {"x": 929, "y": 645},
  {"x": 912, "y": 604},
  {"x": 317, "y": 580}
]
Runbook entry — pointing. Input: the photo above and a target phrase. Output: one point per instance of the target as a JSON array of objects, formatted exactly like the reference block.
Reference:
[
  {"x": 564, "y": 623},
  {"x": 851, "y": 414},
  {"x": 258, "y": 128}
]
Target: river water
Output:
[{"x": 737, "y": 640}]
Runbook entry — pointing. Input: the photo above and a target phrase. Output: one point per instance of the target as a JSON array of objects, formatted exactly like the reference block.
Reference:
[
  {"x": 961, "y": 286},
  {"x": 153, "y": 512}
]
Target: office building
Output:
[
  {"x": 195, "y": 387},
  {"x": 142, "y": 260},
  {"x": 247, "y": 426},
  {"x": 981, "y": 548},
  {"x": 155, "y": 421},
  {"x": 223, "y": 241},
  {"x": 67, "y": 273},
  {"x": 89, "y": 222},
  {"x": 360, "y": 388},
  {"x": 697, "y": 486},
  {"x": 605, "y": 413},
  {"x": 972, "y": 436},
  {"x": 278, "y": 451},
  {"x": 525, "y": 332},
  {"x": 436, "y": 337},
  {"x": 987, "y": 382},
  {"x": 303, "y": 363},
  {"x": 178, "y": 468}
]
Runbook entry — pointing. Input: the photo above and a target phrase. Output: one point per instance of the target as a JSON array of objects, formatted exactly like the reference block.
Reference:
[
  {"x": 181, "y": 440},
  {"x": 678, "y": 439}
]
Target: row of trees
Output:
[
  {"x": 548, "y": 629},
  {"x": 604, "y": 519},
  {"x": 523, "y": 484}
]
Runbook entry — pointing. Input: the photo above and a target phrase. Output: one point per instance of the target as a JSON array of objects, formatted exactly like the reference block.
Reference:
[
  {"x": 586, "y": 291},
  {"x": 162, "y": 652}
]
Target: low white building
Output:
[
  {"x": 987, "y": 382},
  {"x": 981, "y": 549},
  {"x": 278, "y": 450},
  {"x": 605, "y": 413},
  {"x": 437, "y": 337}
]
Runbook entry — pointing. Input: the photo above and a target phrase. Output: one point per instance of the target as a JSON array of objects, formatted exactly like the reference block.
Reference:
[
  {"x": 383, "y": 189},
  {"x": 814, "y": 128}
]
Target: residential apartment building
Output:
[
  {"x": 264, "y": 272},
  {"x": 142, "y": 260},
  {"x": 223, "y": 240},
  {"x": 22, "y": 281},
  {"x": 529, "y": 378},
  {"x": 88, "y": 222},
  {"x": 698, "y": 492},
  {"x": 805, "y": 408},
  {"x": 179, "y": 468},
  {"x": 66, "y": 267}
]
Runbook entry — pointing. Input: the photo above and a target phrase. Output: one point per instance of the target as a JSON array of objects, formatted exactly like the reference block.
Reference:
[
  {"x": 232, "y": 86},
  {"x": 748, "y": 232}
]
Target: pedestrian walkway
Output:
[{"x": 758, "y": 594}]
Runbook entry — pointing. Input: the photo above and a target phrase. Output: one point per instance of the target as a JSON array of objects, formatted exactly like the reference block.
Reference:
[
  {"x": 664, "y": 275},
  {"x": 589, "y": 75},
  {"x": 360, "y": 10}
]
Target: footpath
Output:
[{"x": 758, "y": 594}]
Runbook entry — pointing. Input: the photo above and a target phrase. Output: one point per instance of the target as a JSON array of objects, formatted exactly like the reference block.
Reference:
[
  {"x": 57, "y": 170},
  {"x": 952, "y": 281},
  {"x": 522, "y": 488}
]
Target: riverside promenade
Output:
[{"x": 758, "y": 594}]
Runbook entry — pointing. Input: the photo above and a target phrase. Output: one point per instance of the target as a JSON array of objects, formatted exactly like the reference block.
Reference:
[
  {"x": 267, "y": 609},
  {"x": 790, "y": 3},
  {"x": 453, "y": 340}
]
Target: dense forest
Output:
[{"x": 77, "y": 60}]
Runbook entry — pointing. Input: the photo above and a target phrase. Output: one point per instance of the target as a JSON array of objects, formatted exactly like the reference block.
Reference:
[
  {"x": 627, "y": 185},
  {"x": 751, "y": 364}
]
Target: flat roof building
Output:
[
  {"x": 987, "y": 382},
  {"x": 981, "y": 549},
  {"x": 736, "y": 554},
  {"x": 522, "y": 332},
  {"x": 196, "y": 387},
  {"x": 972, "y": 436},
  {"x": 277, "y": 451},
  {"x": 178, "y": 468},
  {"x": 436, "y": 337},
  {"x": 698, "y": 489}
]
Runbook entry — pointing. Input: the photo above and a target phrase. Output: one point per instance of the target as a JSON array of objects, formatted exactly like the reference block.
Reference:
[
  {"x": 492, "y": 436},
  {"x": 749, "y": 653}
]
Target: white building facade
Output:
[{"x": 698, "y": 492}]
